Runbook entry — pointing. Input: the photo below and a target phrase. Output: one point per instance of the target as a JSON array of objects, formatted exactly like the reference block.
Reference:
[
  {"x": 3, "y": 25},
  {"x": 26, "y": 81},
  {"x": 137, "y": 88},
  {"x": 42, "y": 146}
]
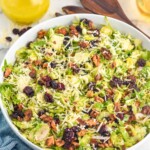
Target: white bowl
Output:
[{"x": 65, "y": 20}]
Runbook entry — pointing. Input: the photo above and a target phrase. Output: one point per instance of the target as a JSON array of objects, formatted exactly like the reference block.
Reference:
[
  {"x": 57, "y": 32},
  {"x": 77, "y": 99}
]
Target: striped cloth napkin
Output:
[{"x": 8, "y": 139}]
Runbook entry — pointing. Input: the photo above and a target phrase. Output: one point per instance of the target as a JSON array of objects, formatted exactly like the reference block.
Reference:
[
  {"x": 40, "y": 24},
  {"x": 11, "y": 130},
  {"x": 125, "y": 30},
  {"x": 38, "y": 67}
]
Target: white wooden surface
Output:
[{"x": 129, "y": 6}]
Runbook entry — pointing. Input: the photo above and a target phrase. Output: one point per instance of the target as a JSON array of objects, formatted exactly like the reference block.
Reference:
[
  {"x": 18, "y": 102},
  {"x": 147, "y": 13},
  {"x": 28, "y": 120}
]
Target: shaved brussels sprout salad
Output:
[{"x": 80, "y": 87}]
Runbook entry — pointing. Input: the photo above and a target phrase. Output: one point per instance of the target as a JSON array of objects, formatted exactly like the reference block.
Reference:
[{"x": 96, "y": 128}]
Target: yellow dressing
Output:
[{"x": 24, "y": 11}]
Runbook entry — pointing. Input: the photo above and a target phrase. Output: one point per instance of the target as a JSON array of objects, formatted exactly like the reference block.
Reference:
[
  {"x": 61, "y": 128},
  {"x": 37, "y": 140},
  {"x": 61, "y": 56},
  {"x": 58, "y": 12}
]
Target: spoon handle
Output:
[{"x": 108, "y": 8}]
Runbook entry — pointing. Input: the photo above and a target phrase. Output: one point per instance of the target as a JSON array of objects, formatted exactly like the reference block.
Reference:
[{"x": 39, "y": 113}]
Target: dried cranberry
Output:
[
  {"x": 75, "y": 68},
  {"x": 79, "y": 29},
  {"x": 86, "y": 21},
  {"x": 68, "y": 135},
  {"x": 133, "y": 85},
  {"x": 53, "y": 64},
  {"x": 116, "y": 82},
  {"x": 41, "y": 112},
  {"x": 120, "y": 116},
  {"x": 48, "y": 97},
  {"x": 29, "y": 44},
  {"x": 15, "y": 31},
  {"x": 66, "y": 40},
  {"x": 47, "y": 81},
  {"x": 57, "y": 121},
  {"x": 28, "y": 28},
  {"x": 32, "y": 74},
  {"x": 75, "y": 129},
  {"x": 61, "y": 86},
  {"x": 22, "y": 31},
  {"x": 17, "y": 114},
  {"x": 103, "y": 131},
  {"x": 67, "y": 145},
  {"x": 96, "y": 32},
  {"x": 40, "y": 82},
  {"x": 28, "y": 91},
  {"x": 91, "y": 86},
  {"x": 54, "y": 84},
  {"x": 8, "y": 38},
  {"x": 46, "y": 78},
  {"x": 141, "y": 62},
  {"x": 94, "y": 43}
]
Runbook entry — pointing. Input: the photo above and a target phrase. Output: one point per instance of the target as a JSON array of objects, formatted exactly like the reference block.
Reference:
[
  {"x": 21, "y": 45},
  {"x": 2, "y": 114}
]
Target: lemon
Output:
[
  {"x": 144, "y": 6},
  {"x": 24, "y": 11}
]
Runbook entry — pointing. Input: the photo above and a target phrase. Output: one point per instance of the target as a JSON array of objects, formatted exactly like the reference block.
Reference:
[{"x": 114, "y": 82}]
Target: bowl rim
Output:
[{"x": 32, "y": 30}]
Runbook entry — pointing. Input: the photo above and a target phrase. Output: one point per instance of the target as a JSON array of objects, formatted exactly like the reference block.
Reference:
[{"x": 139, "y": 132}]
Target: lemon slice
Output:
[
  {"x": 143, "y": 7},
  {"x": 24, "y": 11}
]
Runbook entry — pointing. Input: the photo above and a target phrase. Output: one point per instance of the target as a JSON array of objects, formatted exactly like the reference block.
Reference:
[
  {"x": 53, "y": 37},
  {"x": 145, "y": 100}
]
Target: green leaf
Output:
[{"x": 5, "y": 65}]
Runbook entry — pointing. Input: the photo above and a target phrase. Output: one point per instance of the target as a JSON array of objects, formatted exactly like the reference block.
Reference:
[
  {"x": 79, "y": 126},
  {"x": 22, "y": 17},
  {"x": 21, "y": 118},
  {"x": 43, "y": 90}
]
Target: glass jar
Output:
[
  {"x": 144, "y": 6},
  {"x": 24, "y": 11}
]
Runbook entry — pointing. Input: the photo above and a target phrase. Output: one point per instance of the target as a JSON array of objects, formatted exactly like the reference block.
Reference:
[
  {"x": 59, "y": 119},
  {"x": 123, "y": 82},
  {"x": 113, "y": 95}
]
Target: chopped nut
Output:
[
  {"x": 45, "y": 65},
  {"x": 94, "y": 113},
  {"x": 28, "y": 115},
  {"x": 137, "y": 104},
  {"x": 113, "y": 65},
  {"x": 81, "y": 132},
  {"x": 59, "y": 142},
  {"x": 146, "y": 110},
  {"x": 53, "y": 125},
  {"x": 75, "y": 144},
  {"x": 84, "y": 44},
  {"x": 41, "y": 34},
  {"x": 98, "y": 99},
  {"x": 81, "y": 122},
  {"x": 106, "y": 53},
  {"x": 7, "y": 72},
  {"x": 90, "y": 94},
  {"x": 38, "y": 62},
  {"x": 96, "y": 60},
  {"x": 62, "y": 31},
  {"x": 91, "y": 122},
  {"x": 20, "y": 107},
  {"x": 117, "y": 106},
  {"x": 110, "y": 91},
  {"x": 73, "y": 31},
  {"x": 50, "y": 141},
  {"x": 132, "y": 118},
  {"x": 98, "y": 77},
  {"x": 46, "y": 119}
]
